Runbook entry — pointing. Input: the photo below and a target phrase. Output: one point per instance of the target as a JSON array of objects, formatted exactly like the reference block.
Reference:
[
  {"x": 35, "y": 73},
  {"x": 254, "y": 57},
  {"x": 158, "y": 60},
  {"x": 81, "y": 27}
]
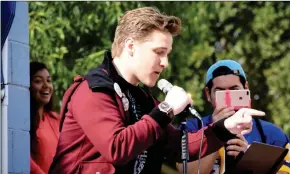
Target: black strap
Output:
[
  {"x": 198, "y": 123},
  {"x": 64, "y": 107},
  {"x": 260, "y": 129}
]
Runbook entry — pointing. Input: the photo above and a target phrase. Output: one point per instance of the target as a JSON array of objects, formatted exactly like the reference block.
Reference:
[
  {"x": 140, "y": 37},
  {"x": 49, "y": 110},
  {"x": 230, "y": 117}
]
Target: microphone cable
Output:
[{"x": 197, "y": 115}]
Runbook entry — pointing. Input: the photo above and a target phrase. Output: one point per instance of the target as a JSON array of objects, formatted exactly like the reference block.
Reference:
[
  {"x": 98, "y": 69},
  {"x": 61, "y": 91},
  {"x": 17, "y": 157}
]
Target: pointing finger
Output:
[{"x": 254, "y": 112}]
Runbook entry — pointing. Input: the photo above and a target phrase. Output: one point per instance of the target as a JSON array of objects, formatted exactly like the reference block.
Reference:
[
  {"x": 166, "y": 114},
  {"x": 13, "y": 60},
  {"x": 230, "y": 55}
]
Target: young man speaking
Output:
[{"x": 112, "y": 125}]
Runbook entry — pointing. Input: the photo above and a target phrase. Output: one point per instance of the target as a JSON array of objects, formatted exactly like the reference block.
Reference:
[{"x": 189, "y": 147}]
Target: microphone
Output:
[{"x": 166, "y": 86}]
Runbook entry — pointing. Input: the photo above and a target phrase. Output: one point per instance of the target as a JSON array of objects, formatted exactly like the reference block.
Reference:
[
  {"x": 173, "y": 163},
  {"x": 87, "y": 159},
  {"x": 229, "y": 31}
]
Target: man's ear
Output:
[
  {"x": 129, "y": 46},
  {"x": 207, "y": 93},
  {"x": 246, "y": 85}
]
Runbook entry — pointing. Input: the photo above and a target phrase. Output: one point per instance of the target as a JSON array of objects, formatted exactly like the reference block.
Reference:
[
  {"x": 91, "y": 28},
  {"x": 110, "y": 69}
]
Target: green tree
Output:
[
  {"x": 254, "y": 33},
  {"x": 70, "y": 37}
]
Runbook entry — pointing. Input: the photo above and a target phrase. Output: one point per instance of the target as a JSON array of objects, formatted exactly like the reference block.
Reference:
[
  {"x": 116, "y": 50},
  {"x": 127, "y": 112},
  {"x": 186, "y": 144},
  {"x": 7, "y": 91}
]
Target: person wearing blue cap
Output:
[{"x": 229, "y": 75}]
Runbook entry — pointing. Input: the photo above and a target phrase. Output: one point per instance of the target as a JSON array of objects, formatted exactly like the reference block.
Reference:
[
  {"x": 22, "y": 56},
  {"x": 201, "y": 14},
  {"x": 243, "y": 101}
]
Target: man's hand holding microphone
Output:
[{"x": 177, "y": 100}]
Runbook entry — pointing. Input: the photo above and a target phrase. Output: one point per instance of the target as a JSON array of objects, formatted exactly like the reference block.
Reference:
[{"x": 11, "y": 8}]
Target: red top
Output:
[
  {"x": 47, "y": 138},
  {"x": 94, "y": 137}
]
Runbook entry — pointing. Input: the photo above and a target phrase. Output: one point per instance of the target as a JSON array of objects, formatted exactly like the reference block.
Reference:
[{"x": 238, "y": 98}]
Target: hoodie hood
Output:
[{"x": 105, "y": 75}]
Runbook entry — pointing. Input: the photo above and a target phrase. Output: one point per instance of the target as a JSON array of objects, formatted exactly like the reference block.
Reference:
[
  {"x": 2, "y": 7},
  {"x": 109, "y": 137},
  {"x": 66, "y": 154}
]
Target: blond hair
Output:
[{"x": 139, "y": 23}]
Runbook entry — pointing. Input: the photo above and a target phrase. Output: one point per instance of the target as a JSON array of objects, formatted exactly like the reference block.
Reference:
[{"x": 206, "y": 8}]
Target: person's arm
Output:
[
  {"x": 215, "y": 135},
  {"x": 34, "y": 168},
  {"x": 206, "y": 165},
  {"x": 99, "y": 117},
  {"x": 285, "y": 169}
]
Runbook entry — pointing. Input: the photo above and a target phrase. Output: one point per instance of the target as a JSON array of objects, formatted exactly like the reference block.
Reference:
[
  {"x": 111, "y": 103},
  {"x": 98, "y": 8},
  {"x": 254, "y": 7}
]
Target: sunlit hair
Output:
[{"x": 139, "y": 23}]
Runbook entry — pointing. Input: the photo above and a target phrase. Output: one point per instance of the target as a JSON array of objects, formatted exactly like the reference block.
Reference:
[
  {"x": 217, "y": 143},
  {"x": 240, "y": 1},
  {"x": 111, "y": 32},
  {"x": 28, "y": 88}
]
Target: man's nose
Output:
[{"x": 164, "y": 62}]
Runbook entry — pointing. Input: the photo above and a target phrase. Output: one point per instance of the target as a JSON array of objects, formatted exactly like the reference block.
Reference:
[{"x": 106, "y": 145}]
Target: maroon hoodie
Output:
[{"x": 97, "y": 135}]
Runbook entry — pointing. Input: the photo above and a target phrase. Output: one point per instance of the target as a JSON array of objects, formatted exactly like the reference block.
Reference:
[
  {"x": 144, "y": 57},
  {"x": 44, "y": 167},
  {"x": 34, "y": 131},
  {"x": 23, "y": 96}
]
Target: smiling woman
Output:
[{"x": 43, "y": 122}]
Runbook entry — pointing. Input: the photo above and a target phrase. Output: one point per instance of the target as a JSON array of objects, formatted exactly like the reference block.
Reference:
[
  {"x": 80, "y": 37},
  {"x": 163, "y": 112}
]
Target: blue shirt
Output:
[{"x": 273, "y": 136}]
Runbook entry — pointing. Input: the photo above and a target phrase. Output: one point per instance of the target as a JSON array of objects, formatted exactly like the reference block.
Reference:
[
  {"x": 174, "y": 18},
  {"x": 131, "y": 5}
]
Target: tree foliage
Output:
[{"x": 70, "y": 37}]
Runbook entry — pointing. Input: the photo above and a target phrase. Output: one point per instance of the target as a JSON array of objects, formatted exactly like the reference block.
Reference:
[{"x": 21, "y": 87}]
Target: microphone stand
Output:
[{"x": 184, "y": 147}]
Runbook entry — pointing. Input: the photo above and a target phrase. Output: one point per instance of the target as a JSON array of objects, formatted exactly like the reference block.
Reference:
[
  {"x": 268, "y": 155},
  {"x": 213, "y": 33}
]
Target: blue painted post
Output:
[{"x": 15, "y": 114}]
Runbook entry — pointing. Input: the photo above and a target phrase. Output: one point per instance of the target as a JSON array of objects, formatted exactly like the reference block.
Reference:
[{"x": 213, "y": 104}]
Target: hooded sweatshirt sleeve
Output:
[{"x": 102, "y": 120}]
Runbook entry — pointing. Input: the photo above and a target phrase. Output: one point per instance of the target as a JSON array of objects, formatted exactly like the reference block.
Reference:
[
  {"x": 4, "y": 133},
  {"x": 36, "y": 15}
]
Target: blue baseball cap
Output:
[{"x": 231, "y": 64}]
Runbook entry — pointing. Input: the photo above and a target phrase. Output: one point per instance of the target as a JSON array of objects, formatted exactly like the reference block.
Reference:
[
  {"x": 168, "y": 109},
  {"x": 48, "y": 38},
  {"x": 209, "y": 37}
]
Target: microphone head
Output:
[{"x": 164, "y": 85}]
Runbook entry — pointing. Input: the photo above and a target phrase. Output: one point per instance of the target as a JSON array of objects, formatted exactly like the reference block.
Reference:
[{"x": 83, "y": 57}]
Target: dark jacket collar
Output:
[{"x": 106, "y": 75}]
